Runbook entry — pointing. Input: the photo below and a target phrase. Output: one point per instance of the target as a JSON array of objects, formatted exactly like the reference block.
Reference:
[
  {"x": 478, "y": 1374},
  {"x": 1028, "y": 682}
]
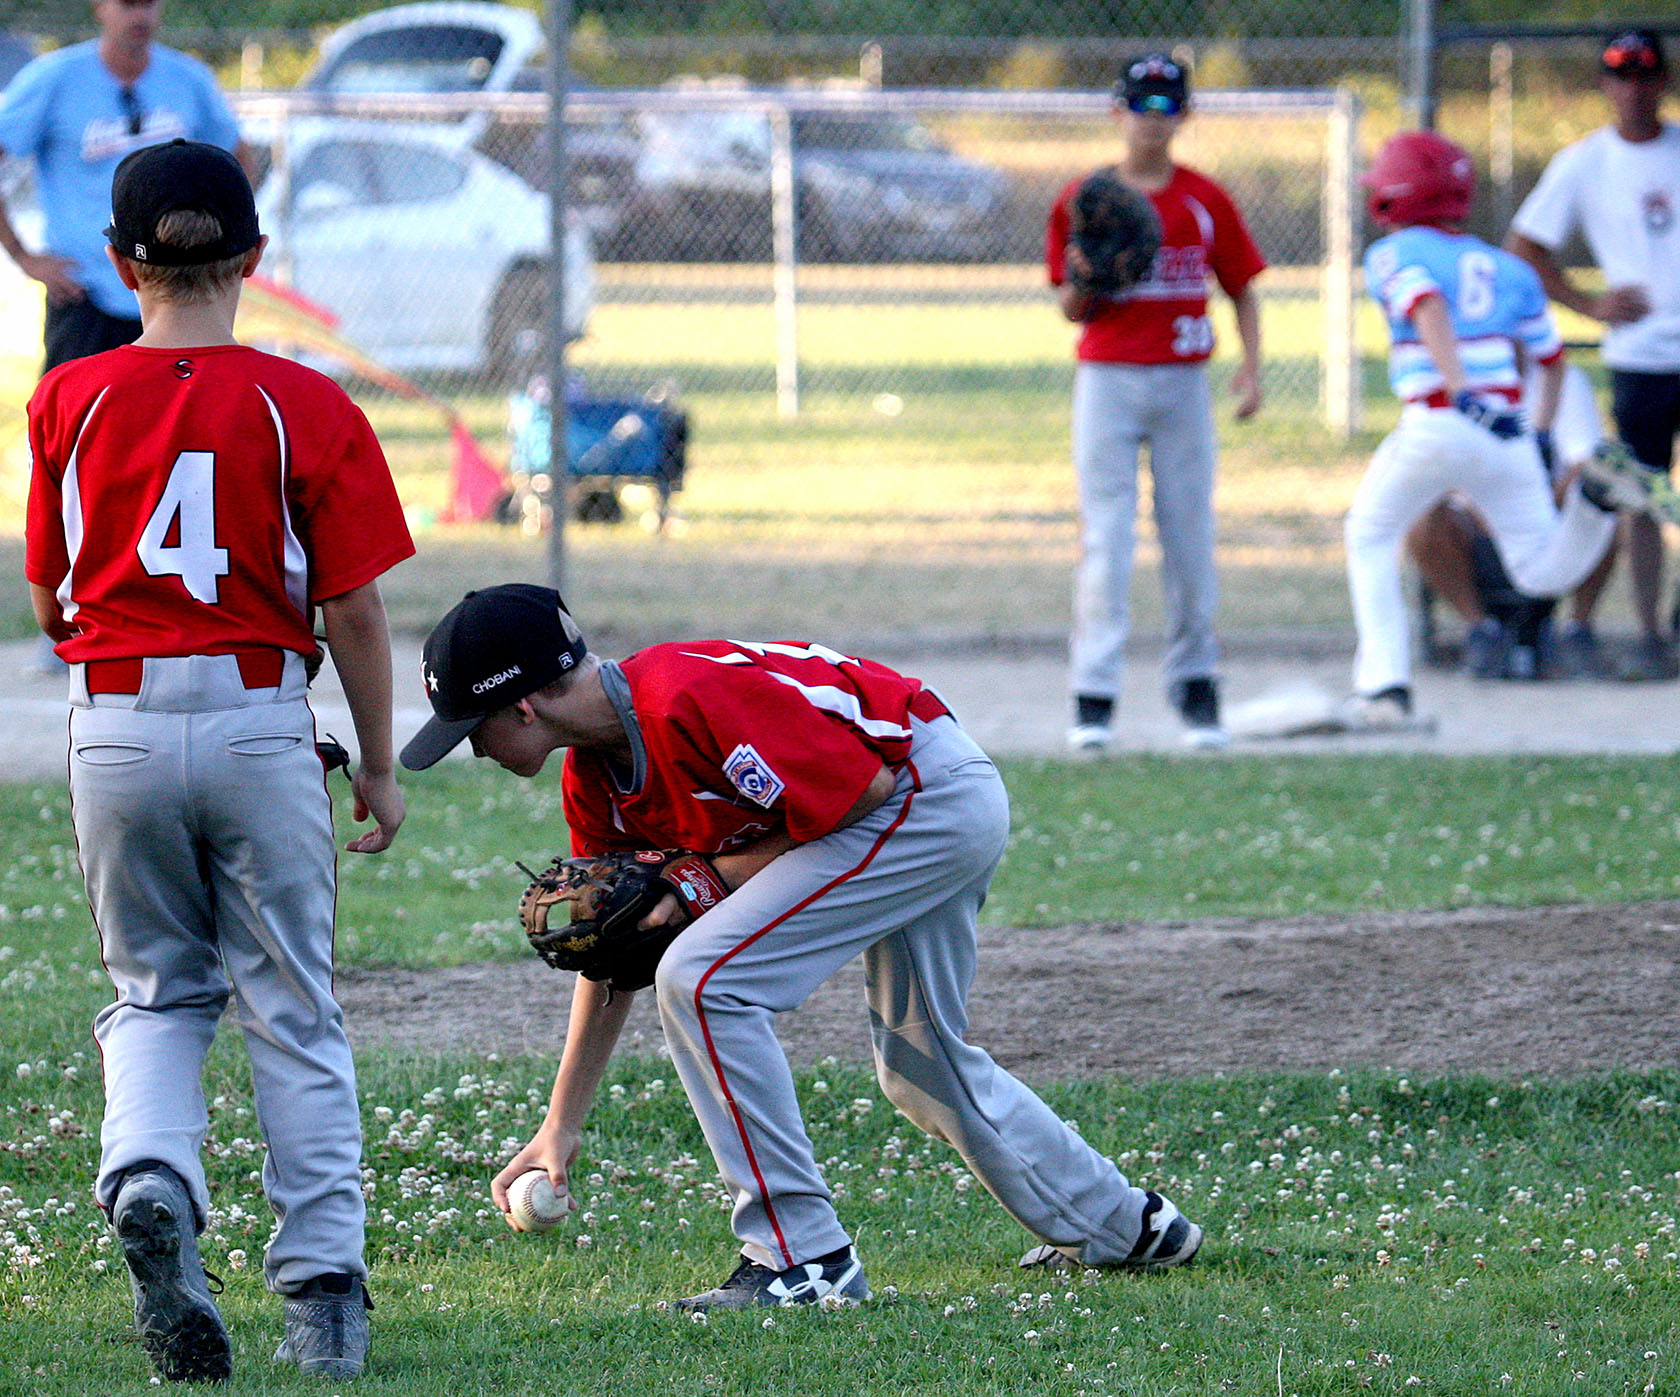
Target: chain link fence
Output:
[
  {"x": 1514, "y": 95},
  {"x": 828, "y": 203}
]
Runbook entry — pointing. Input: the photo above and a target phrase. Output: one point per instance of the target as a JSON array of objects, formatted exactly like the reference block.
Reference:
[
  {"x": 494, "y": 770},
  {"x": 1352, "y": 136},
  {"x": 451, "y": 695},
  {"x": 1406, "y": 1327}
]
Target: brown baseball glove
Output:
[
  {"x": 606, "y": 895},
  {"x": 1116, "y": 229}
]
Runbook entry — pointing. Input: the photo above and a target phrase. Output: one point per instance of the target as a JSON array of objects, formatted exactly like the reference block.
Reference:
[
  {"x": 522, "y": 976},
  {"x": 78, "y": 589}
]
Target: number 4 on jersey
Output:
[{"x": 188, "y": 506}]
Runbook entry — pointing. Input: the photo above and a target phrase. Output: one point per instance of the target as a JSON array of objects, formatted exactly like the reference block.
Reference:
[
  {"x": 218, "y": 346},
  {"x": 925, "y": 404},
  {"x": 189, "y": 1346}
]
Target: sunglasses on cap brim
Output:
[
  {"x": 1161, "y": 103},
  {"x": 1631, "y": 58}
]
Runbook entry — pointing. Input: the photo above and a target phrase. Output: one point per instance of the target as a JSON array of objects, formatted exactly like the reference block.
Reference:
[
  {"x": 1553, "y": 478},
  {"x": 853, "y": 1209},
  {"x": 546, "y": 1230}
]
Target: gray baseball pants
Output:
[
  {"x": 1116, "y": 408},
  {"x": 902, "y": 887},
  {"x": 205, "y": 836}
]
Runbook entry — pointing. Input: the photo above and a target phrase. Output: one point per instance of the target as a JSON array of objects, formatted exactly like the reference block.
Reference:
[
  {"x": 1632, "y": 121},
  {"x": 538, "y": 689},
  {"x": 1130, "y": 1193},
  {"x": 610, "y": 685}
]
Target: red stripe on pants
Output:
[{"x": 700, "y": 1012}]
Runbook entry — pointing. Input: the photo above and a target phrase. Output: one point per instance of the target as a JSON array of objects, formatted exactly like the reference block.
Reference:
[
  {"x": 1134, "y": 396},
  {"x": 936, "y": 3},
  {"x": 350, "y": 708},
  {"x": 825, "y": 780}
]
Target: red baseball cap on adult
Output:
[{"x": 1635, "y": 53}]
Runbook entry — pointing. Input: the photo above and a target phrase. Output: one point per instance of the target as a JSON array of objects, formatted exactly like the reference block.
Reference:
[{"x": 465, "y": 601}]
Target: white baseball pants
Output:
[
  {"x": 205, "y": 836},
  {"x": 1431, "y": 453},
  {"x": 1116, "y": 409},
  {"x": 903, "y": 887}
]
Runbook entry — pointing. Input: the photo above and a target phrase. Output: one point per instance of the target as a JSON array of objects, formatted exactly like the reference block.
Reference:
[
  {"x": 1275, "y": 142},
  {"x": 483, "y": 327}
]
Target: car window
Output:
[
  {"x": 842, "y": 132},
  {"x": 378, "y": 172},
  {"x": 435, "y": 58},
  {"x": 408, "y": 174},
  {"x": 340, "y": 165}
]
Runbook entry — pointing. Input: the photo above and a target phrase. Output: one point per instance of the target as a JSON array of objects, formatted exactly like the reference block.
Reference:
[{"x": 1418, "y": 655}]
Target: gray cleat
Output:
[
  {"x": 178, "y": 1321},
  {"x": 327, "y": 1327}
]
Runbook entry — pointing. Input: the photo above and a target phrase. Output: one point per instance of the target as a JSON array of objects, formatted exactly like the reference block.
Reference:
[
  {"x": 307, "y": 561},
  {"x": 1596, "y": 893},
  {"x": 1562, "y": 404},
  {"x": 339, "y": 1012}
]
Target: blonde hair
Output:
[{"x": 187, "y": 229}]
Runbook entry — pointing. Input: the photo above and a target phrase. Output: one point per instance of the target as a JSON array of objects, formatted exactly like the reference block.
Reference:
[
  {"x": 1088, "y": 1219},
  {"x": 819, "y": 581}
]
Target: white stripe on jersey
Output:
[
  {"x": 1204, "y": 219},
  {"x": 1487, "y": 360},
  {"x": 827, "y": 697},
  {"x": 1181, "y": 290},
  {"x": 811, "y": 651},
  {"x": 844, "y": 705},
  {"x": 295, "y": 560},
  {"x": 71, "y": 493}
]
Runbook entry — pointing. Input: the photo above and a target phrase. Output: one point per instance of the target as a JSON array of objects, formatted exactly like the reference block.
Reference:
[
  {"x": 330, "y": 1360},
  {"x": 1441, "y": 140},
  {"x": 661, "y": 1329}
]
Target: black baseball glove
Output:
[
  {"x": 606, "y": 896},
  {"x": 1117, "y": 232}
]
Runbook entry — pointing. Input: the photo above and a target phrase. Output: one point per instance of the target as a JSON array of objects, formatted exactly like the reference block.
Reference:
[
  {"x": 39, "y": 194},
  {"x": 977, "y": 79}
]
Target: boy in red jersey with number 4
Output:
[{"x": 191, "y": 503}]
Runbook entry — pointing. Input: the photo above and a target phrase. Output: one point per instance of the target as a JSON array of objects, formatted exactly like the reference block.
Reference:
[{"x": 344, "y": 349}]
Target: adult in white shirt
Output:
[{"x": 1620, "y": 188}]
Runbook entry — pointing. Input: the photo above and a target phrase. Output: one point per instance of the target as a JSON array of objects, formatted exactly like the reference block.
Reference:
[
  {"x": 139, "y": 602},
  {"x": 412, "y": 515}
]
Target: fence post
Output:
[
  {"x": 784, "y": 258},
  {"x": 1502, "y": 141},
  {"x": 559, "y": 49},
  {"x": 1420, "y": 62},
  {"x": 870, "y": 65},
  {"x": 1343, "y": 385}
]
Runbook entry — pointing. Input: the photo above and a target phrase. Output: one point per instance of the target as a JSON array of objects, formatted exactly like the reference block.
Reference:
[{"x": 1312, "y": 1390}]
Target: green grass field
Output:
[{"x": 1366, "y": 1231}]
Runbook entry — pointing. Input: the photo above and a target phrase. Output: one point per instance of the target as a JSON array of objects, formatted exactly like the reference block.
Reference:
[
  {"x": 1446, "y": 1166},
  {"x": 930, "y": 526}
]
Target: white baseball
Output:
[{"x": 534, "y": 1204}]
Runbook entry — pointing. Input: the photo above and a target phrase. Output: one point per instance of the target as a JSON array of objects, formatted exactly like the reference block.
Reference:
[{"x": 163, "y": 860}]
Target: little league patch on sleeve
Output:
[{"x": 750, "y": 774}]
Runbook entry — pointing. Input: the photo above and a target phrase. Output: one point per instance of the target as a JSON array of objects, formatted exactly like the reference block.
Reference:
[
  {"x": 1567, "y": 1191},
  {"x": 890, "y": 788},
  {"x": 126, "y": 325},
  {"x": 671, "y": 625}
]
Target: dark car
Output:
[{"x": 869, "y": 186}]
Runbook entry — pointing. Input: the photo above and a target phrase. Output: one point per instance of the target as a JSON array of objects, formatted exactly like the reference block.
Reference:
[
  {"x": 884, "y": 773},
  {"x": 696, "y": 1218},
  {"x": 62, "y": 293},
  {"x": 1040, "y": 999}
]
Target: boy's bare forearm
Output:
[
  {"x": 592, "y": 1033},
  {"x": 359, "y": 640}
]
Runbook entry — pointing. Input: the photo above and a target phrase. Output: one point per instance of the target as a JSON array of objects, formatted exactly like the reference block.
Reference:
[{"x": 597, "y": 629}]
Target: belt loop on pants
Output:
[{"x": 258, "y": 669}]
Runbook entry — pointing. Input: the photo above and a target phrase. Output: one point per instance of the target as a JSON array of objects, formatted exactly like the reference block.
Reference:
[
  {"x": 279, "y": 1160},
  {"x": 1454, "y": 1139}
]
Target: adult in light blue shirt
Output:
[{"x": 75, "y": 113}]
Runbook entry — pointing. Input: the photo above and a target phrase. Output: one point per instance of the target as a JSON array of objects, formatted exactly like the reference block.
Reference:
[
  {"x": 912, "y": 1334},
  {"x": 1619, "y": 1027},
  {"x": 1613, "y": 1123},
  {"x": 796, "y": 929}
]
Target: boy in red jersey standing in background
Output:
[
  {"x": 191, "y": 503},
  {"x": 1142, "y": 378}
]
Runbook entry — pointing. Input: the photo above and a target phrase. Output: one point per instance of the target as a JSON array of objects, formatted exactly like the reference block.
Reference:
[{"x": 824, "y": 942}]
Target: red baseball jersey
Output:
[
  {"x": 201, "y": 501},
  {"x": 1164, "y": 319},
  {"x": 743, "y": 739}
]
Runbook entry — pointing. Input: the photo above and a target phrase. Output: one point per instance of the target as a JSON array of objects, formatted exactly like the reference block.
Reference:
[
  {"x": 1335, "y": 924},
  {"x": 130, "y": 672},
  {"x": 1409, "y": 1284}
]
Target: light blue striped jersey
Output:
[{"x": 1492, "y": 297}]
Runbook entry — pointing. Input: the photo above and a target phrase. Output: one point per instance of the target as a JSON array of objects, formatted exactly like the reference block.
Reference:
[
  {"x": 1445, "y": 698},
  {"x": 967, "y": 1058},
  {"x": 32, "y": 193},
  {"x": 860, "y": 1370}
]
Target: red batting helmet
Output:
[{"x": 1420, "y": 177}]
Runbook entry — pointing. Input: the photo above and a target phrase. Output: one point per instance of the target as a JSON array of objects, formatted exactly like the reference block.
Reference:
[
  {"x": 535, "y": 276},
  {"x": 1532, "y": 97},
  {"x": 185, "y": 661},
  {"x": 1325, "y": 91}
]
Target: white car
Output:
[
  {"x": 431, "y": 255},
  {"x": 439, "y": 46}
]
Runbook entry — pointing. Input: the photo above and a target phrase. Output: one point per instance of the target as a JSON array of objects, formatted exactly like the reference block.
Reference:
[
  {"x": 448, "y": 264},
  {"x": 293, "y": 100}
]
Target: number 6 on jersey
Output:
[{"x": 188, "y": 507}]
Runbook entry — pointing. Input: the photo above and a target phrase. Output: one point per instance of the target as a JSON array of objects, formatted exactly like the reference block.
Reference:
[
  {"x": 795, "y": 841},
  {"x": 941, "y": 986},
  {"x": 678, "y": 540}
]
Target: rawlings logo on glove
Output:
[{"x": 606, "y": 897}]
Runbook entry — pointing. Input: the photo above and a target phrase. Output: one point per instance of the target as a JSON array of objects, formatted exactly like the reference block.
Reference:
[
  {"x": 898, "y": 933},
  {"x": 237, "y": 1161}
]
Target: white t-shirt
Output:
[
  {"x": 1577, "y": 426},
  {"x": 1624, "y": 196}
]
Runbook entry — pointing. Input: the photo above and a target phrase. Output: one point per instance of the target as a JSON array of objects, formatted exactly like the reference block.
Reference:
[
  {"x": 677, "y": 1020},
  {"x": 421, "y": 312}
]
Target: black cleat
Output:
[
  {"x": 178, "y": 1321},
  {"x": 835, "y": 1278}
]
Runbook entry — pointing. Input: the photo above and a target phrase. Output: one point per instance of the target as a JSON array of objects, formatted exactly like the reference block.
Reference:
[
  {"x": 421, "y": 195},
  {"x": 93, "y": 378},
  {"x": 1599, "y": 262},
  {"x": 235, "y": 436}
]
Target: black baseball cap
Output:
[
  {"x": 1635, "y": 53},
  {"x": 1153, "y": 82},
  {"x": 495, "y": 647},
  {"x": 161, "y": 179}
]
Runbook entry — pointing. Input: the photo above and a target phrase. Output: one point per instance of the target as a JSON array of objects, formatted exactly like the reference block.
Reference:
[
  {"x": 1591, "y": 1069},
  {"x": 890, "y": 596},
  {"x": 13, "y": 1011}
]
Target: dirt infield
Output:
[
  {"x": 1534, "y": 991},
  {"x": 1511, "y": 992}
]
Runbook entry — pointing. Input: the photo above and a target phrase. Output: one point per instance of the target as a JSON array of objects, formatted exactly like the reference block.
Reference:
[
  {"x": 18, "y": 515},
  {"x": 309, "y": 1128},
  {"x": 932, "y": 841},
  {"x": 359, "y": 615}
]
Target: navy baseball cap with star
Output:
[
  {"x": 170, "y": 178},
  {"x": 494, "y": 648}
]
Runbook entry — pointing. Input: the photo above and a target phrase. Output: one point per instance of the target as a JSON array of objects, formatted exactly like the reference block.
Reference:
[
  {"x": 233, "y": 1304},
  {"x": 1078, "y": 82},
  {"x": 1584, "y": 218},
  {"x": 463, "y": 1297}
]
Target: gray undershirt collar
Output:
[{"x": 618, "y": 694}]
